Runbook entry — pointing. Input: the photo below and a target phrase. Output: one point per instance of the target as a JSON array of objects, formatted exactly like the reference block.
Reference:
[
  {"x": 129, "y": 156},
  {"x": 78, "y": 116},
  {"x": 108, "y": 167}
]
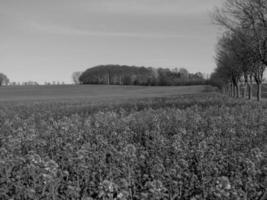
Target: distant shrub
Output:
[{"x": 132, "y": 75}]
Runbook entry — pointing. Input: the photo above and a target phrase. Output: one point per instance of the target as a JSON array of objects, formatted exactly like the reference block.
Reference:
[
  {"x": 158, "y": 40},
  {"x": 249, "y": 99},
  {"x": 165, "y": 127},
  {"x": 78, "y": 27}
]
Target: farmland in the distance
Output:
[
  {"x": 173, "y": 143},
  {"x": 91, "y": 92}
]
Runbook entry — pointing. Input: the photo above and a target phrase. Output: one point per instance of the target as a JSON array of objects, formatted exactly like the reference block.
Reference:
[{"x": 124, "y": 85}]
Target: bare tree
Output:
[
  {"x": 248, "y": 18},
  {"x": 75, "y": 77},
  {"x": 239, "y": 45},
  {"x": 184, "y": 73},
  {"x": 229, "y": 63},
  {"x": 3, "y": 79}
]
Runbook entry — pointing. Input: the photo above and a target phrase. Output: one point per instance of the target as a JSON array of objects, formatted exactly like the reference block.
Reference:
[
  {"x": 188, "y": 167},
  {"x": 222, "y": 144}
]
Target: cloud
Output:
[
  {"x": 61, "y": 30},
  {"x": 152, "y": 7},
  {"x": 112, "y": 18}
]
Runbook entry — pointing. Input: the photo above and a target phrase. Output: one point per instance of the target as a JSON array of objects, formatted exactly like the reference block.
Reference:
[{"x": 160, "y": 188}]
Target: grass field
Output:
[
  {"x": 131, "y": 143},
  {"x": 91, "y": 93}
]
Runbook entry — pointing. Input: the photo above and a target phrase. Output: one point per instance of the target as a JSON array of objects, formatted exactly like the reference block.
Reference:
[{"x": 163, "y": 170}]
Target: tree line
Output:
[
  {"x": 241, "y": 53},
  {"x": 133, "y": 75},
  {"x": 4, "y": 81}
]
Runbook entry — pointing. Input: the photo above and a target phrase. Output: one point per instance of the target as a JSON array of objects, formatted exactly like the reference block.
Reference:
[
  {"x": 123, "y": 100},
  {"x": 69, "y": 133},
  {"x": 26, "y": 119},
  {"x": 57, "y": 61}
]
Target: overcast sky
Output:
[{"x": 46, "y": 40}]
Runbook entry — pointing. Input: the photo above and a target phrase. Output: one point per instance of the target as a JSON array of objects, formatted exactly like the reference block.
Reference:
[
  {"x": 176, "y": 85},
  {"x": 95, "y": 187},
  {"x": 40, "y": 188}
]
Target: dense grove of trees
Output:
[
  {"x": 242, "y": 50},
  {"x": 132, "y": 75}
]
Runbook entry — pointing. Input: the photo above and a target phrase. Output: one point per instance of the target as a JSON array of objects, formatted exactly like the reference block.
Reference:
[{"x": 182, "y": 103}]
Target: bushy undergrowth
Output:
[{"x": 184, "y": 148}]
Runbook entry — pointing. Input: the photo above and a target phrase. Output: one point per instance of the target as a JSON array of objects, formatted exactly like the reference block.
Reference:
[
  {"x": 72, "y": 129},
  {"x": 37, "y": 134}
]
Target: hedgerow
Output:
[{"x": 188, "y": 147}]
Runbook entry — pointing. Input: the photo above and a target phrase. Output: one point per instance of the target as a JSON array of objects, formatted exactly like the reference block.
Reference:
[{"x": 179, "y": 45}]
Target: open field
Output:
[
  {"x": 91, "y": 92},
  {"x": 187, "y": 146}
]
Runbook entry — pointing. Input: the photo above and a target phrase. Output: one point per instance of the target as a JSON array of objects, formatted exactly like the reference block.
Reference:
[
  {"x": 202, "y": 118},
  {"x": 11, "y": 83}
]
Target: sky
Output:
[{"x": 48, "y": 40}]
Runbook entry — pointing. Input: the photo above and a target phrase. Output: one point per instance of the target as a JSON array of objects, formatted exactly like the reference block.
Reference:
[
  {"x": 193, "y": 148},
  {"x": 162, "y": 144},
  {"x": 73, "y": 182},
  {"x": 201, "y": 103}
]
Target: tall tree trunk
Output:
[
  {"x": 245, "y": 94},
  {"x": 233, "y": 90},
  {"x": 237, "y": 90},
  {"x": 243, "y": 91},
  {"x": 227, "y": 90},
  {"x": 259, "y": 91},
  {"x": 246, "y": 89},
  {"x": 250, "y": 89},
  {"x": 258, "y": 78}
]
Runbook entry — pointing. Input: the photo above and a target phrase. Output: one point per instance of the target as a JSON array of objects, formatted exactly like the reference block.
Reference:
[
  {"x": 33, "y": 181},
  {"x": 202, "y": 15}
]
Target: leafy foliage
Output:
[{"x": 132, "y": 75}]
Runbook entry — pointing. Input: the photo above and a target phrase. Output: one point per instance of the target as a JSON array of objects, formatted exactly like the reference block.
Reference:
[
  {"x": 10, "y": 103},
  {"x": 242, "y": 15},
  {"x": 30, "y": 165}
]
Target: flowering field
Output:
[{"x": 190, "y": 147}]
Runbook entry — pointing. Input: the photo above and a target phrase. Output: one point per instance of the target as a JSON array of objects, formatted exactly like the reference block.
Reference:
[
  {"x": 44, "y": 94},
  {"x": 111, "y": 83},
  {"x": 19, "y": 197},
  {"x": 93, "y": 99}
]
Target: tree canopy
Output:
[
  {"x": 241, "y": 55},
  {"x": 132, "y": 75}
]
